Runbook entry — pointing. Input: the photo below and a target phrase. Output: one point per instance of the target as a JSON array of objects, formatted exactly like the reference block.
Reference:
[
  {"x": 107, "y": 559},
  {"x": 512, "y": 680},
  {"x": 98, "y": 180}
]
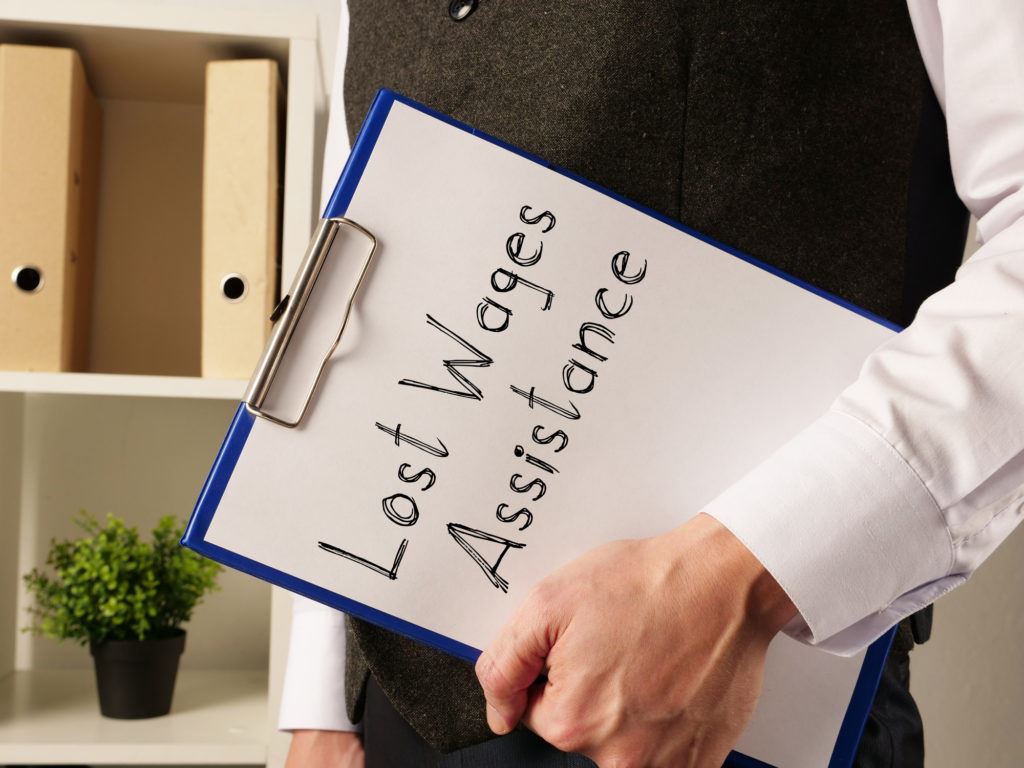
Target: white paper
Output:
[{"x": 716, "y": 363}]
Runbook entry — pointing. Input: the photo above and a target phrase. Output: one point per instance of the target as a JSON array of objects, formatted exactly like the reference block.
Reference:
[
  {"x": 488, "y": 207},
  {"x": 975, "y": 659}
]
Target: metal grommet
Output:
[
  {"x": 27, "y": 278},
  {"x": 458, "y": 10},
  {"x": 234, "y": 287}
]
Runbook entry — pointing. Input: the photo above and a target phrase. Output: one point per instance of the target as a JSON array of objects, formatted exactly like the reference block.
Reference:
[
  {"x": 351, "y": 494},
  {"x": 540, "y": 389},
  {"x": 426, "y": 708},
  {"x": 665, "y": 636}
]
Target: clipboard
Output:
[{"x": 253, "y": 506}]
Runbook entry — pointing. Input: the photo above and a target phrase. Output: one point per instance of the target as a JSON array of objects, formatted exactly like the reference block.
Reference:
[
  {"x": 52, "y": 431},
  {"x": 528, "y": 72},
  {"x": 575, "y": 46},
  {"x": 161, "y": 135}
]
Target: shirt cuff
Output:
[
  {"x": 844, "y": 525},
  {"x": 313, "y": 694}
]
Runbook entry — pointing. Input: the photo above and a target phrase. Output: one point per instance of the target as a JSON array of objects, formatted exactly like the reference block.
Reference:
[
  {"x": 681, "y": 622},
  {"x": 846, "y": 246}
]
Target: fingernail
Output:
[{"x": 497, "y": 721}]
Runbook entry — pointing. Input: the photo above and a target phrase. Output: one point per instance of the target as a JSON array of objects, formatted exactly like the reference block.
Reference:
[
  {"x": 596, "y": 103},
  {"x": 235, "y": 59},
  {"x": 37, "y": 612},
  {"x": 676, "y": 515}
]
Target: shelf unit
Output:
[{"x": 139, "y": 443}]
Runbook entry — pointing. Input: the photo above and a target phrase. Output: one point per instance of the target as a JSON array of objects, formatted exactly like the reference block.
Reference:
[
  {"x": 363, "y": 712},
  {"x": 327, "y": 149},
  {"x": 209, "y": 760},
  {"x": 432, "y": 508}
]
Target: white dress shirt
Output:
[{"x": 916, "y": 473}]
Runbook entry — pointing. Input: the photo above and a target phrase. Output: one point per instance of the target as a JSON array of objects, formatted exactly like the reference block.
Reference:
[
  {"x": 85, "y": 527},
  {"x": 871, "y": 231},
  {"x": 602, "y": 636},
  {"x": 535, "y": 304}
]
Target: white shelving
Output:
[
  {"x": 162, "y": 16},
  {"x": 51, "y": 716},
  {"x": 140, "y": 445},
  {"x": 121, "y": 385}
]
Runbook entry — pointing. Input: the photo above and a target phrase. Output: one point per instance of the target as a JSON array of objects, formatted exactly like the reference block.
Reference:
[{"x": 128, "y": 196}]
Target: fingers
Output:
[
  {"x": 511, "y": 664},
  {"x": 541, "y": 715}
]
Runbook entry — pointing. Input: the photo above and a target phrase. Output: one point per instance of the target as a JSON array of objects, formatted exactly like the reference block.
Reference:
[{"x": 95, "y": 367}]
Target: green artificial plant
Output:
[{"x": 110, "y": 585}]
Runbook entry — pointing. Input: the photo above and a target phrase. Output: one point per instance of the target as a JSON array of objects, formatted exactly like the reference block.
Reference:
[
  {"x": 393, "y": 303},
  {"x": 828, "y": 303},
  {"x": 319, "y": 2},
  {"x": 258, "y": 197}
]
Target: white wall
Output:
[{"x": 969, "y": 679}]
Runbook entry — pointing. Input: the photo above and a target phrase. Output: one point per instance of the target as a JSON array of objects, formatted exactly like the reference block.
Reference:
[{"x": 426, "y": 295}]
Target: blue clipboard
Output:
[{"x": 238, "y": 432}]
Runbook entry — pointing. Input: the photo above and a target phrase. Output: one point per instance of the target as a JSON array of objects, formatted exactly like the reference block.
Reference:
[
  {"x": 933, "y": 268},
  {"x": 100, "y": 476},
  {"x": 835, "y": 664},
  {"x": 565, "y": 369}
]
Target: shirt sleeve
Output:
[
  {"x": 313, "y": 694},
  {"x": 916, "y": 473}
]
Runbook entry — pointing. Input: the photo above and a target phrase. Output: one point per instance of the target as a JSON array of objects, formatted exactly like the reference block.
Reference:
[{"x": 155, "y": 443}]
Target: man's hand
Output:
[
  {"x": 654, "y": 650},
  {"x": 325, "y": 749}
]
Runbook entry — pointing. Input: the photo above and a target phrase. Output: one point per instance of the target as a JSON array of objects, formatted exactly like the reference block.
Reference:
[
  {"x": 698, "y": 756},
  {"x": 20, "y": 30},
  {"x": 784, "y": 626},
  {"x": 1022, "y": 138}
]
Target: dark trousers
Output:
[{"x": 892, "y": 738}]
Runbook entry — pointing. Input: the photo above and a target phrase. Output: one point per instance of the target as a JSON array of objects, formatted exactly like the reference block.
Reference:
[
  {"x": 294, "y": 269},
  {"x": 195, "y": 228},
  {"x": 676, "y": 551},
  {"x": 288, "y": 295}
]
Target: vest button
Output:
[{"x": 460, "y": 9}]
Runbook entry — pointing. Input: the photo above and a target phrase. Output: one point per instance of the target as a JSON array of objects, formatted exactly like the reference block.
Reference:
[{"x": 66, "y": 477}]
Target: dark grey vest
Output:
[{"x": 804, "y": 133}]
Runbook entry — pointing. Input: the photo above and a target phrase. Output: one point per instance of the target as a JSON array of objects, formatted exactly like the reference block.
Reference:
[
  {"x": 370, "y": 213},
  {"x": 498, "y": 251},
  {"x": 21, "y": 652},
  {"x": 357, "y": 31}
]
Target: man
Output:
[{"x": 807, "y": 135}]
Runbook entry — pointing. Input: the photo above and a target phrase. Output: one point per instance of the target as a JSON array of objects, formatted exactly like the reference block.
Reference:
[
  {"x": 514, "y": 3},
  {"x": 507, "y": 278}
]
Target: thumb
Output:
[{"x": 510, "y": 665}]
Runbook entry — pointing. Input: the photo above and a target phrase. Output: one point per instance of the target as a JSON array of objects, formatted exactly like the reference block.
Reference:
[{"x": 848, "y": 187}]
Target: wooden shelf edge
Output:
[{"x": 121, "y": 385}]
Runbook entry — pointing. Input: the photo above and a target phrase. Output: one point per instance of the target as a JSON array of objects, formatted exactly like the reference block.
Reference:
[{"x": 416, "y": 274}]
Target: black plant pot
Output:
[{"x": 135, "y": 678}]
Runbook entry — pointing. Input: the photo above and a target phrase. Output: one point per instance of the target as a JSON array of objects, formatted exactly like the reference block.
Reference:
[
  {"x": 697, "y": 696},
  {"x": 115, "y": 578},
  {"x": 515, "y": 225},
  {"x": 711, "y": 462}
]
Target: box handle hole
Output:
[
  {"x": 27, "y": 279},
  {"x": 233, "y": 287}
]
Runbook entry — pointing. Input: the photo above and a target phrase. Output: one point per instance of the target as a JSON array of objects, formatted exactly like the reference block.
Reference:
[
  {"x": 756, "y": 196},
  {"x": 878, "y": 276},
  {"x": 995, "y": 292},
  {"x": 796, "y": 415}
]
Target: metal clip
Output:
[{"x": 284, "y": 328}]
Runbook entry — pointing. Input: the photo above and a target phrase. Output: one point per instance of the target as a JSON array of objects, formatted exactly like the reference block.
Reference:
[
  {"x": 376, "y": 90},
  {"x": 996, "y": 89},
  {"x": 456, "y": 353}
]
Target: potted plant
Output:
[{"x": 127, "y": 599}]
